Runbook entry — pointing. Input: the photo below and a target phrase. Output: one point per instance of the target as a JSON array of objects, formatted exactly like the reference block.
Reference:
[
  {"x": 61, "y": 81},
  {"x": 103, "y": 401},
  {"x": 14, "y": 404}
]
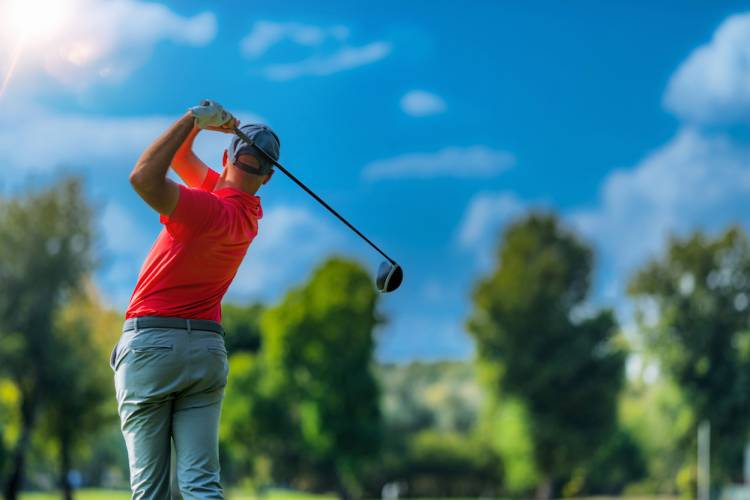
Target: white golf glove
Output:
[{"x": 210, "y": 114}]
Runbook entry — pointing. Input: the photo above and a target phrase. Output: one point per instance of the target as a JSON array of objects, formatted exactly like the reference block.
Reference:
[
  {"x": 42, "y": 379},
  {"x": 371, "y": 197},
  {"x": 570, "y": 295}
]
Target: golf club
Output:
[{"x": 389, "y": 275}]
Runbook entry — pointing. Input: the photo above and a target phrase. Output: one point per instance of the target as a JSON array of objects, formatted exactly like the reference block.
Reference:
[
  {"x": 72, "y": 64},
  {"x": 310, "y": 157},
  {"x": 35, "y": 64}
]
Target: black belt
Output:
[{"x": 175, "y": 323}]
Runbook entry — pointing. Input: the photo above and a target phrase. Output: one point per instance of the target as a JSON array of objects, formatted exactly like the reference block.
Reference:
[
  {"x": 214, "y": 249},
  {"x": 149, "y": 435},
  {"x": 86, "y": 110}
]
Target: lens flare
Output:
[
  {"x": 26, "y": 23},
  {"x": 35, "y": 20},
  {"x": 15, "y": 56}
]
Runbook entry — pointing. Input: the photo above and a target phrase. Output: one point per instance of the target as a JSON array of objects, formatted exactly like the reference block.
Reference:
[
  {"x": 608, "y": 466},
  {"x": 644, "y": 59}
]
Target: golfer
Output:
[{"x": 170, "y": 363}]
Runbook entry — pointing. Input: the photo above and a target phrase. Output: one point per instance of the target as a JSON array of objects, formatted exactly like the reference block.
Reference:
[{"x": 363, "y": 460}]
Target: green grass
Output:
[
  {"x": 124, "y": 495},
  {"x": 80, "y": 495}
]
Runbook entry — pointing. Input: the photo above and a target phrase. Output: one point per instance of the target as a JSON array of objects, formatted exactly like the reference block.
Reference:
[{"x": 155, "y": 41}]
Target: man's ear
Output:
[
  {"x": 224, "y": 160},
  {"x": 268, "y": 177}
]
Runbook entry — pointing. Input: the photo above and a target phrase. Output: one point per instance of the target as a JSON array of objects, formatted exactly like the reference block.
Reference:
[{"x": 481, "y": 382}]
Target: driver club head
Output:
[{"x": 390, "y": 276}]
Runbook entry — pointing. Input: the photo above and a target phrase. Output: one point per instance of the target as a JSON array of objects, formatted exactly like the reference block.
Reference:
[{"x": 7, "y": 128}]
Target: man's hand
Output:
[{"x": 212, "y": 116}]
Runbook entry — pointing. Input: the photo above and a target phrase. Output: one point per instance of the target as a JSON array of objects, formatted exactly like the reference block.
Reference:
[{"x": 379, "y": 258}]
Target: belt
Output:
[{"x": 174, "y": 323}]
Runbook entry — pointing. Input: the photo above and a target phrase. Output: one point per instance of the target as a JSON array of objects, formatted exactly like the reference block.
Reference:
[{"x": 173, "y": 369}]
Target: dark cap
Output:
[{"x": 264, "y": 138}]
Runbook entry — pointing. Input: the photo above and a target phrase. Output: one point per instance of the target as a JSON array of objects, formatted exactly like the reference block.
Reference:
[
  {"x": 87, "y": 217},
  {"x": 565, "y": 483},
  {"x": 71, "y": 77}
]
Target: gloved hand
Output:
[{"x": 210, "y": 115}]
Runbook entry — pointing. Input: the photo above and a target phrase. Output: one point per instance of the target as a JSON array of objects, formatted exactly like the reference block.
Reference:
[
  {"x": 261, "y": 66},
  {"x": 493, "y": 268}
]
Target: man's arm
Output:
[
  {"x": 186, "y": 163},
  {"x": 149, "y": 176}
]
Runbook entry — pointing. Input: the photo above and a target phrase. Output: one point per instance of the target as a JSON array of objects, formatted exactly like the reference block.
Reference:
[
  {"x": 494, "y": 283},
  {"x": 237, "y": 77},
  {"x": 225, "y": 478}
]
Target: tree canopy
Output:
[
  {"x": 311, "y": 391},
  {"x": 45, "y": 241},
  {"x": 694, "y": 314},
  {"x": 539, "y": 348}
]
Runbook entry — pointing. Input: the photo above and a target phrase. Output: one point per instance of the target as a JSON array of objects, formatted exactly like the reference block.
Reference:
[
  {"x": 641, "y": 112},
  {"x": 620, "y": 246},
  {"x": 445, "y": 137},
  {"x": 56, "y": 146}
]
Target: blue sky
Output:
[{"x": 430, "y": 125}]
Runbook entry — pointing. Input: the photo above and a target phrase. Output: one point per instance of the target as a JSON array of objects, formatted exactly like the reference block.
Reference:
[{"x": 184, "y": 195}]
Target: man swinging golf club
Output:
[{"x": 170, "y": 363}]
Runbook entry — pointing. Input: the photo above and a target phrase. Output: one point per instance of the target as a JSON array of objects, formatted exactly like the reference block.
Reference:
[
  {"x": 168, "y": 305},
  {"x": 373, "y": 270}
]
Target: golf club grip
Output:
[{"x": 245, "y": 138}]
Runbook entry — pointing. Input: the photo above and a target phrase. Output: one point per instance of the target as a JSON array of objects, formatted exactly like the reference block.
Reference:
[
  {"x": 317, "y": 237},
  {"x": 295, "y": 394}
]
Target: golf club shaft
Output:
[{"x": 245, "y": 138}]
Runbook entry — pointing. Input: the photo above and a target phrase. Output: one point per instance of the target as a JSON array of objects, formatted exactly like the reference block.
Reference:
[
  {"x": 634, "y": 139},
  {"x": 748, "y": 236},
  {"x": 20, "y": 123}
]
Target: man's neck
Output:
[{"x": 248, "y": 187}]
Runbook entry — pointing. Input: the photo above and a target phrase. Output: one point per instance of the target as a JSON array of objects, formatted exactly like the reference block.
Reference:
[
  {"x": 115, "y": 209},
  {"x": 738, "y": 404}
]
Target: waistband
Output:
[{"x": 174, "y": 323}]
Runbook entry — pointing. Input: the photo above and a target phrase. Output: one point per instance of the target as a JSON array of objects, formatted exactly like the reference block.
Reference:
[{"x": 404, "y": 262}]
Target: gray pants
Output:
[{"x": 169, "y": 385}]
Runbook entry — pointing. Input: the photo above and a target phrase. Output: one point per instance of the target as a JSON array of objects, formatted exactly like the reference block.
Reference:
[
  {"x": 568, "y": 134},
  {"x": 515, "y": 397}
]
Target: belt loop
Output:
[
  {"x": 188, "y": 326},
  {"x": 136, "y": 324}
]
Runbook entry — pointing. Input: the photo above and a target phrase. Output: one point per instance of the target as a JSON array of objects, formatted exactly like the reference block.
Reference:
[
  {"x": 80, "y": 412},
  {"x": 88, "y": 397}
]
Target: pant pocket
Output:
[
  {"x": 219, "y": 363},
  {"x": 118, "y": 356},
  {"x": 119, "y": 351},
  {"x": 112, "y": 357},
  {"x": 151, "y": 348}
]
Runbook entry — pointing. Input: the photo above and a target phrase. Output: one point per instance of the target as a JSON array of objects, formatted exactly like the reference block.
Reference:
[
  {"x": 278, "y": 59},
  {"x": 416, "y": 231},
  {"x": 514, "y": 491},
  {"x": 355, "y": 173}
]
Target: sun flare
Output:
[
  {"x": 26, "y": 23},
  {"x": 36, "y": 20}
]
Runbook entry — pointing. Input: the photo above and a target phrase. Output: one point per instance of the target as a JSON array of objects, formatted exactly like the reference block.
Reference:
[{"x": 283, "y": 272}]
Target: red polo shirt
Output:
[{"x": 197, "y": 254}]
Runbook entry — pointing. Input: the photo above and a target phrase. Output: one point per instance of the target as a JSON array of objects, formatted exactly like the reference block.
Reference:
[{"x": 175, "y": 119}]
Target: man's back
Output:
[{"x": 197, "y": 254}]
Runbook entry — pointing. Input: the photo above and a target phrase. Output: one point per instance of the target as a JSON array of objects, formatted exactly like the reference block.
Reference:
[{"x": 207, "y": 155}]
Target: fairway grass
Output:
[{"x": 86, "y": 494}]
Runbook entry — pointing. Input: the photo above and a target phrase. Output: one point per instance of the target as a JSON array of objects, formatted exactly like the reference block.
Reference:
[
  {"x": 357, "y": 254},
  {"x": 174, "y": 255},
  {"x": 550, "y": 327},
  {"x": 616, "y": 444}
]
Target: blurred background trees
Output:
[
  {"x": 693, "y": 312},
  {"x": 544, "y": 409},
  {"x": 80, "y": 395},
  {"x": 45, "y": 241},
  {"x": 242, "y": 326},
  {"x": 544, "y": 353},
  {"x": 316, "y": 415}
]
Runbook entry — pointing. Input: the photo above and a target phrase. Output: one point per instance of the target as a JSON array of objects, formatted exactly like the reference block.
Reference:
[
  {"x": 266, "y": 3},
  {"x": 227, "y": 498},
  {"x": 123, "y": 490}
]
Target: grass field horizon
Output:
[{"x": 102, "y": 494}]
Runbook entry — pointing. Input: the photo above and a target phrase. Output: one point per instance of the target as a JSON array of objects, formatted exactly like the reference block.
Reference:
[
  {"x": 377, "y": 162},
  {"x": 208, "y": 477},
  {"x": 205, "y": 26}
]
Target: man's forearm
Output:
[
  {"x": 186, "y": 148},
  {"x": 152, "y": 166},
  {"x": 149, "y": 176},
  {"x": 186, "y": 163}
]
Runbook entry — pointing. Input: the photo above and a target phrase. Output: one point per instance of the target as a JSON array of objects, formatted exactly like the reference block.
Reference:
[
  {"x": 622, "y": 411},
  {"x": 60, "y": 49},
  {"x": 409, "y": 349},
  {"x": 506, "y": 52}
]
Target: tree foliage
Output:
[
  {"x": 655, "y": 413},
  {"x": 310, "y": 397},
  {"x": 535, "y": 347},
  {"x": 81, "y": 399},
  {"x": 694, "y": 315},
  {"x": 242, "y": 327},
  {"x": 44, "y": 253}
]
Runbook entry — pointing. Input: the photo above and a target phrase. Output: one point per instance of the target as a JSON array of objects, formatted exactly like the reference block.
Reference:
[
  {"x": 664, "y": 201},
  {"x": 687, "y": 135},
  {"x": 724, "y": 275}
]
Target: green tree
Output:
[
  {"x": 656, "y": 414},
  {"x": 44, "y": 253},
  {"x": 443, "y": 396},
  {"x": 694, "y": 316},
  {"x": 312, "y": 396},
  {"x": 536, "y": 347},
  {"x": 9, "y": 418},
  {"x": 429, "y": 446},
  {"x": 255, "y": 428},
  {"x": 81, "y": 398},
  {"x": 242, "y": 327}
]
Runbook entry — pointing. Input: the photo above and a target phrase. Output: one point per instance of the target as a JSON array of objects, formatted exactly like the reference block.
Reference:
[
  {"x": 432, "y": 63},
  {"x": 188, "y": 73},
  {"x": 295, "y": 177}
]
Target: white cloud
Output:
[
  {"x": 422, "y": 103},
  {"x": 331, "y": 55},
  {"x": 485, "y": 214},
  {"x": 694, "y": 181},
  {"x": 713, "y": 84},
  {"x": 35, "y": 139},
  {"x": 266, "y": 34},
  {"x": 105, "y": 40},
  {"x": 473, "y": 161},
  {"x": 320, "y": 65},
  {"x": 291, "y": 241},
  {"x": 483, "y": 220}
]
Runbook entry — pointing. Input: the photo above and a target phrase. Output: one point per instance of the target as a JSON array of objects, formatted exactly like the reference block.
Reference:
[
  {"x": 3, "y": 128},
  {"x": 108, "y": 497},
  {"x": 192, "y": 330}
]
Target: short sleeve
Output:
[
  {"x": 209, "y": 183},
  {"x": 195, "y": 213}
]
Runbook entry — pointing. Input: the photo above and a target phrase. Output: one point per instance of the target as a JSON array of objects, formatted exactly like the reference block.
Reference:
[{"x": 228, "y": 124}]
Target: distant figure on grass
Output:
[{"x": 170, "y": 363}]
